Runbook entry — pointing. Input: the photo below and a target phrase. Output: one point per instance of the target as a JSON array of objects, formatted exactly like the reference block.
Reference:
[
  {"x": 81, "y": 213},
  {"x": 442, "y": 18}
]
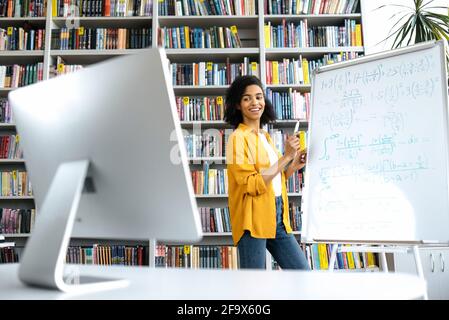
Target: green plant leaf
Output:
[
  {"x": 421, "y": 25},
  {"x": 393, "y": 5},
  {"x": 403, "y": 32},
  {"x": 421, "y": 6},
  {"x": 437, "y": 27},
  {"x": 399, "y": 31}
]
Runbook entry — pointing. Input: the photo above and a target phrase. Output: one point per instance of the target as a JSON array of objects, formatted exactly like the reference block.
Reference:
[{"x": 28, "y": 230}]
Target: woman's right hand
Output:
[{"x": 291, "y": 146}]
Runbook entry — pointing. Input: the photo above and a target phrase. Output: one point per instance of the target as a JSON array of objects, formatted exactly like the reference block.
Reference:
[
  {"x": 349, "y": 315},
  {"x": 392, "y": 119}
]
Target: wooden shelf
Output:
[
  {"x": 211, "y": 196},
  {"x": 220, "y": 196},
  {"x": 20, "y": 21},
  {"x": 17, "y": 198},
  {"x": 244, "y": 22},
  {"x": 221, "y": 124},
  {"x": 210, "y": 159},
  {"x": 229, "y": 234},
  {"x": 104, "y": 22},
  {"x": 15, "y": 235},
  {"x": 7, "y": 126},
  {"x": 308, "y": 52},
  {"x": 312, "y": 19},
  {"x": 200, "y": 90},
  {"x": 21, "y": 57},
  {"x": 285, "y": 87},
  {"x": 211, "y": 54},
  {"x": 85, "y": 57},
  {"x": 5, "y": 91},
  {"x": 205, "y": 124},
  {"x": 12, "y": 161}
]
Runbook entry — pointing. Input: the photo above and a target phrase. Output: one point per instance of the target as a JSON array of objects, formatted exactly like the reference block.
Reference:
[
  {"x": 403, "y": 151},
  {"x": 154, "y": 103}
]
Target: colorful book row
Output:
[
  {"x": 207, "y": 7},
  {"x": 105, "y": 8},
  {"x": 100, "y": 38},
  {"x": 15, "y": 76},
  {"x": 311, "y": 6},
  {"x": 13, "y": 221},
  {"x": 15, "y": 183},
  {"x": 107, "y": 255},
  {"x": 13, "y": 38},
  {"x": 23, "y": 8},
  {"x": 189, "y": 256}
]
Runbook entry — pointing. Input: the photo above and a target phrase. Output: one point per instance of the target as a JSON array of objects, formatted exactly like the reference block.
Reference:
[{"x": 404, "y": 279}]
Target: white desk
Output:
[{"x": 189, "y": 284}]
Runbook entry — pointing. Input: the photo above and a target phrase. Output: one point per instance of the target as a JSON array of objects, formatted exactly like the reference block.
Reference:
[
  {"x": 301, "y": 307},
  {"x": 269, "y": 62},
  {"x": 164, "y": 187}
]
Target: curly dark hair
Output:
[{"x": 234, "y": 95}]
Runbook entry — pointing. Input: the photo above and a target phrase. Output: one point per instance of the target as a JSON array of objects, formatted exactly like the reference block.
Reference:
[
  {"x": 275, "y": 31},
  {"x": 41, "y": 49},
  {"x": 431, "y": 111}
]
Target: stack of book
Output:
[{"x": 7, "y": 252}]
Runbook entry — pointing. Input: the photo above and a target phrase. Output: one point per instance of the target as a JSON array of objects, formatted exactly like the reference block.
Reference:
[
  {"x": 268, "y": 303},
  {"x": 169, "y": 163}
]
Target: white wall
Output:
[{"x": 377, "y": 23}]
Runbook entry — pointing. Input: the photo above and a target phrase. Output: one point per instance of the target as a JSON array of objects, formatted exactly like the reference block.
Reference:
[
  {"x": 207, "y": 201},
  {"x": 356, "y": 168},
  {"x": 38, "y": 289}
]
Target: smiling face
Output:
[{"x": 252, "y": 105}]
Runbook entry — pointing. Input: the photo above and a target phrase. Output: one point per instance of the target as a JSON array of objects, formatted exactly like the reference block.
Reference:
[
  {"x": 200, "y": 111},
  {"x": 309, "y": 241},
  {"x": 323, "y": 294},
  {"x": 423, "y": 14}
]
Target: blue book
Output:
[
  {"x": 174, "y": 38},
  {"x": 182, "y": 36},
  {"x": 206, "y": 178},
  {"x": 315, "y": 257}
]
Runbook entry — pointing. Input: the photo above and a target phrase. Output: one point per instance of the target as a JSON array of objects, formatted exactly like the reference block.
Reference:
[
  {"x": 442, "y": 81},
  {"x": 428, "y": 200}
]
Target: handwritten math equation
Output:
[{"x": 379, "y": 73}]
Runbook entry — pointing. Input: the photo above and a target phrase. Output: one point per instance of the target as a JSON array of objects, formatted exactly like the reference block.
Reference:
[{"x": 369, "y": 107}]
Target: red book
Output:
[{"x": 107, "y": 8}]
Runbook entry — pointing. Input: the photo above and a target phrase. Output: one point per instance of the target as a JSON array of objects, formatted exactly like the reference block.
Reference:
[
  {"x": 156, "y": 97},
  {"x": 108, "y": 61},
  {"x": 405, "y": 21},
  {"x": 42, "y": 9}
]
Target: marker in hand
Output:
[{"x": 301, "y": 135}]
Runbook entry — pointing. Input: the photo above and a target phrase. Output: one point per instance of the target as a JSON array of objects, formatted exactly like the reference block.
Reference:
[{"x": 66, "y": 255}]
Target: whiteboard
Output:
[{"x": 377, "y": 167}]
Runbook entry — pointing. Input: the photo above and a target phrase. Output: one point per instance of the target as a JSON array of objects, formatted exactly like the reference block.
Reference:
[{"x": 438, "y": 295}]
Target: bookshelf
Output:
[
  {"x": 256, "y": 50},
  {"x": 50, "y": 55},
  {"x": 253, "y": 54},
  {"x": 28, "y": 56}
]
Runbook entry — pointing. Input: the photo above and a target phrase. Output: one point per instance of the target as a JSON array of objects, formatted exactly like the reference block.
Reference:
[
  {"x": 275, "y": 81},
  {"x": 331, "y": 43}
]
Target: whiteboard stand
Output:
[
  {"x": 268, "y": 260},
  {"x": 152, "y": 253},
  {"x": 382, "y": 250}
]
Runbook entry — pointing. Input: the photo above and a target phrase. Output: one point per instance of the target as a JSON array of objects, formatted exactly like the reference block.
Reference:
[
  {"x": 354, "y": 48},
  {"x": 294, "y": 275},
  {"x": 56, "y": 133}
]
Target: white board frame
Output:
[{"x": 306, "y": 237}]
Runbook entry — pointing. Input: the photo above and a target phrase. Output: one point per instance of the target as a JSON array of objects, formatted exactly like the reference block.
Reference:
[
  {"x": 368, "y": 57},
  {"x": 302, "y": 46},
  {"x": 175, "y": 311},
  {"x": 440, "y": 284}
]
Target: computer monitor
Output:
[{"x": 105, "y": 155}]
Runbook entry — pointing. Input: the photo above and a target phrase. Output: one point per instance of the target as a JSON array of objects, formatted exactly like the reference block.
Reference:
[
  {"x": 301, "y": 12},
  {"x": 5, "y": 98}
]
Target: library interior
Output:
[{"x": 123, "y": 181}]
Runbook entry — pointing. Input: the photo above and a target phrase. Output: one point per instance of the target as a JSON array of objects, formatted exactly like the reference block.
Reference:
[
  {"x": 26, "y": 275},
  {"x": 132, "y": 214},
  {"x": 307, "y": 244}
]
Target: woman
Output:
[{"x": 257, "y": 172}]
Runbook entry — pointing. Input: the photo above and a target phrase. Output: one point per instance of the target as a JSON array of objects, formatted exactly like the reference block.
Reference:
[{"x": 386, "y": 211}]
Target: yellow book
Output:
[
  {"x": 305, "y": 70},
  {"x": 267, "y": 35},
  {"x": 236, "y": 36},
  {"x": 358, "y": 35},
  {"x": 371, "y": 259},
  {"x": 229, "y": 258},
  {"x": 194, "y": 258},
  {"x": 234, "y": 258},
  {"x": 221, "y": 37},
  {"x": 322, "y": 251},
  {"x": 54, "y": 8},
  {"x": 275, "y": 72},
  {"x": 197, "y": 257},
  {"x": 14, "y": 181},
  {"x": 350, "y": 258},
  {"x": 254, "y": 69},
  {"x": 302, "y": 140},
  {"x": 187, "y": 36}
]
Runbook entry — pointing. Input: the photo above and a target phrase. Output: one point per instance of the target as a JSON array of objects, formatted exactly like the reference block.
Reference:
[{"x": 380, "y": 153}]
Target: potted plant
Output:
[{"x": 418, "y": 23}]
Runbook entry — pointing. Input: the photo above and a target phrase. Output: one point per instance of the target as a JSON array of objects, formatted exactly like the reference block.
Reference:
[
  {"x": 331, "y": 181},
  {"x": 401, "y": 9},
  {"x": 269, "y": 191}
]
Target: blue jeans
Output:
[{"x": 284, "y": 248}]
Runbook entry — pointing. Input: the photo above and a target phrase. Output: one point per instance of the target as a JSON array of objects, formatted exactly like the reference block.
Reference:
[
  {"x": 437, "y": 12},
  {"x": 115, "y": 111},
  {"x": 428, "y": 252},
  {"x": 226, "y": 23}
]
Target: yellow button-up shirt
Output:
[{"x": 251, "y": 202}]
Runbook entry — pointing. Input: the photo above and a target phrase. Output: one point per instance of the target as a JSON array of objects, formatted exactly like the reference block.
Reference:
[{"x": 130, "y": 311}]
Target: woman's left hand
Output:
[{"x": 300, "y": 159}]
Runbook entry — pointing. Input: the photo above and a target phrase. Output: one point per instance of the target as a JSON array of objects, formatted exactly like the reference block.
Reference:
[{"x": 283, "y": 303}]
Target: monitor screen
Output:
[{"x": 121, "y": 116}]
